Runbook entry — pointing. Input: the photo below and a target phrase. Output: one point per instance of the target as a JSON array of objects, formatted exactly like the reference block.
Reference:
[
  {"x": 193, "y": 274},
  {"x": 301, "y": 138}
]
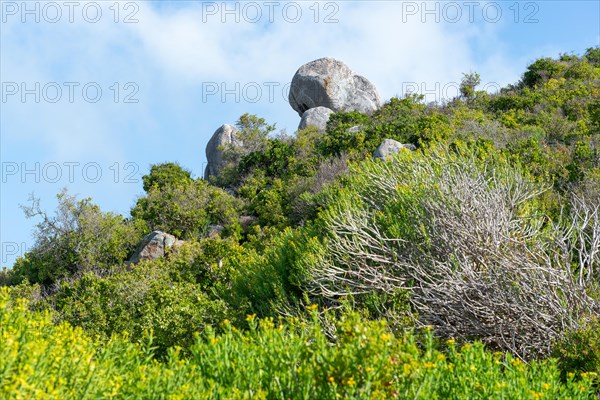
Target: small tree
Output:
[
  {"x": 185, "y": 208},
  {"x": 162, "y": 175},
  {"x": 468, "y": 84},
  {"x": 79, "y": 237},
  {"x": 251, "y": 138}
]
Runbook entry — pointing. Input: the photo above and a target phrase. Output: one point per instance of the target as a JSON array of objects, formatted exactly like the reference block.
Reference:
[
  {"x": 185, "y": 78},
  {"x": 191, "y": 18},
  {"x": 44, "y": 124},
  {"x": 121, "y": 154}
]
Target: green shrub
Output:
[
  {"x": 541, "y": 71},
  {"x": 579, "y": 353},
  {"x": 78, "y": 238},
  {"x": 167, "y": 174},
  {"x": 273, "y": 360},
  {"x": 592, "y": 54},
  {"x": 253, "y": 134},
  {"x": 145, "y": 299},
  {"x": 186, "y": 208}
]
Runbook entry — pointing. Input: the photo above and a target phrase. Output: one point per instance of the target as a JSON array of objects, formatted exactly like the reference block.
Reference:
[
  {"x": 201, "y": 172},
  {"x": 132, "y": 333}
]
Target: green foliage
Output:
[
  {"x": 542, "y": 71},
  {"x": 579, "y": 352},
  {"x": 273, "y": 283},
  {"x": 173, "y": 298},
  {"x": 185, "y": 208},
  {"x": 164, "y": 175},
  {"x": 139, "y": 302},
  {"x": 274, "y": 359},
  {"x": 406, "y": 120},
  {"x": 339, "y": 138},
  {"x": 252, "y": 138},
  {"x": 300, "y": 202},
  {"x": 593, "y": 55},
  {"x": 274, "y": 160},
  {"x": 78, "y": 238},
  {"x": 253, "y": 131},
  {"x": 468, "y": 84}
]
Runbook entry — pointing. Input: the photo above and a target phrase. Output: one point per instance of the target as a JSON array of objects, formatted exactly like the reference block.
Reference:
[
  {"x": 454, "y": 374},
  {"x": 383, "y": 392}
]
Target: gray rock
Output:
[
  {"x": 154, "y": 245},
  {"x": 214, "y": 231},
  {"x": 355, "y": 129},
  {"x": 224, "y": 136},
  {"x": 330, "y": 83},
  {"x": 317, "y": 116},
  {"x": 389, "y": 147}
]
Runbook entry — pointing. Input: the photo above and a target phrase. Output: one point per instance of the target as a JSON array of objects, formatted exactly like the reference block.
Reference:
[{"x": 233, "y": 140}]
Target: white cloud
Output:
[
  {"x": 370, "y": 37},
  {"x": 175, "y": 47}
]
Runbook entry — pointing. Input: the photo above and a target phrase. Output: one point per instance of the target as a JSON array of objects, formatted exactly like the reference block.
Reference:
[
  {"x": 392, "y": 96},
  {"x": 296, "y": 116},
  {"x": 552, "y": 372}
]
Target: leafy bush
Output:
[
  {"x": 173, "y": 297},
  {"x": 579, "y": 352},
  {"x": 185, "y": 208},
  {"x": 274, "y": 359},
  {"x": 541, "y": 71},
  {"x": 78, "y": 238},
  {"x": 164, "y": 175},
  {"x": 252, "y": 138}
]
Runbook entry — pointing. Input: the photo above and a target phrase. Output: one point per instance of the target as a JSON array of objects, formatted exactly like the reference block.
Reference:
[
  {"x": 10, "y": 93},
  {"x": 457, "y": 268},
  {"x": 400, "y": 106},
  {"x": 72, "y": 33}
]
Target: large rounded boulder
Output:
[
  {"x": 226, "y": 135},
  {"x": 330, "y": 83}
]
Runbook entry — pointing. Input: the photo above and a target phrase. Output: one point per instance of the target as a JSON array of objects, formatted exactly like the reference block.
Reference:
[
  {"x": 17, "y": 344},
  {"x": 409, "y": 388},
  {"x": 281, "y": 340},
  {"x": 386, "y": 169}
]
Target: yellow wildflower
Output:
[{"x": 385, "y": 337}]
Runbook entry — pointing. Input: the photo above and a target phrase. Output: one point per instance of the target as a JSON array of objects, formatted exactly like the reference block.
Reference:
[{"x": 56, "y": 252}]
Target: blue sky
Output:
[{"x": 161, "y": 77}]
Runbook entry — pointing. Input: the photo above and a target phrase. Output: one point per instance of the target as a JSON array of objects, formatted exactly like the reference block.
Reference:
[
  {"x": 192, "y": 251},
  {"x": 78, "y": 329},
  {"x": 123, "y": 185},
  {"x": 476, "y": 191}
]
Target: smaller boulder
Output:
[
  {"x": 389, "y": 147},
  {"x": 355, "y": 129},
  {"x": 214, "y": 231},
  {"x": 153, "y": 246},
  {"x": 317, "y": 116},
  {"x": 226, "y": 135}
]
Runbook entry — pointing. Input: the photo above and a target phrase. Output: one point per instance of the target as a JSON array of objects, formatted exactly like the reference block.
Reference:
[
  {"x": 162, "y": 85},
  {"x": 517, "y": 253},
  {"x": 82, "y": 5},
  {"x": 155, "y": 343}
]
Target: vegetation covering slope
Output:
[{"x": 467, "y": 268}]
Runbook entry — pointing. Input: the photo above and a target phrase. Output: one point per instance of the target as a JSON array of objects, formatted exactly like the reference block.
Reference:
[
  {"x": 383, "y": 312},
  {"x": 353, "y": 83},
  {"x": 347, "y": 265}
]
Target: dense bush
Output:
[
  {"x": 469, "y": 240},
  {"x": 184, "y": 207},
  {"x": 78, "y": 238},
  {"x": 579, "y": 352},
  {"x": 273, "y": 360},
  {"x": 164, "y": 175},
  {"x": 173, "y": 298},
  {"x": 488, "y": 233},
  {"x": 251, "y": 138}
]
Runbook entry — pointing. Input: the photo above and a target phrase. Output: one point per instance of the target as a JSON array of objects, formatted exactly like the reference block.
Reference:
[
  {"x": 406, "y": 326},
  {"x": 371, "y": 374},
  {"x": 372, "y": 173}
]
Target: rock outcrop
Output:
[
  {"x": 355, "y": 129},
  {"x": 214, "y": 230},
  {"x": 225, "y": 136},
  {"x": 330, "y": 83},
  {"x": 317, "y": 116},
  {"x": 154, "y": 245},
  {"x": 389, "y": 147}
]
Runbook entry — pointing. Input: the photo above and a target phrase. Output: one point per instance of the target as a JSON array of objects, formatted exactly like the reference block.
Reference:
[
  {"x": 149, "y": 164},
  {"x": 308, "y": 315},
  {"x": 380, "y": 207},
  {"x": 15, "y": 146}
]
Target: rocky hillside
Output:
[{"x": 386, "y": 249}]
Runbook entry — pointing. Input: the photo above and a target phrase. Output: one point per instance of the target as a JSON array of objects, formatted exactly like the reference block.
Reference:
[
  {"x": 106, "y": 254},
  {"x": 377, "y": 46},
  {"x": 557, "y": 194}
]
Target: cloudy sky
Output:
[{"x": 93, "y": 93}]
